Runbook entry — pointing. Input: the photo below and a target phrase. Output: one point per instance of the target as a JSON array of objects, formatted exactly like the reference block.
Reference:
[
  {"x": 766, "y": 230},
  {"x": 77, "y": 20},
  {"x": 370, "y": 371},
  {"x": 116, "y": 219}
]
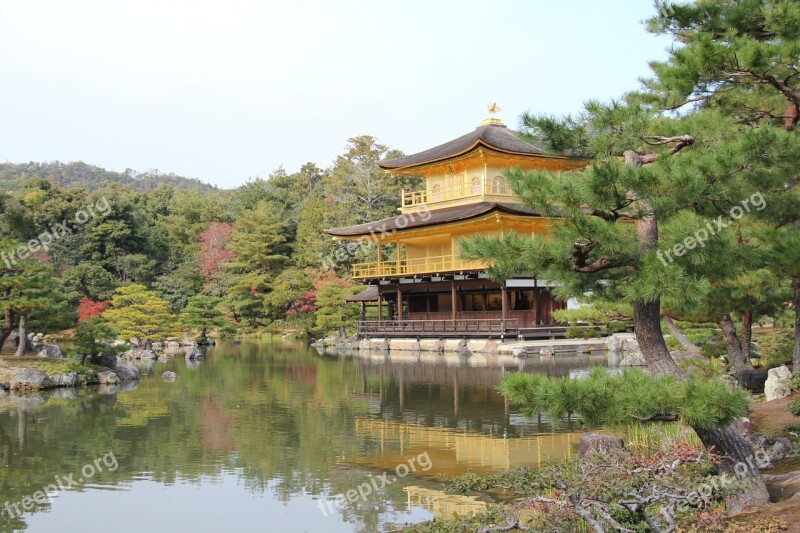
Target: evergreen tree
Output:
[
  {"x": 202, "y": 312},
  {"x": 260, "y": 246},
  {"x": 138, "y": 312},
  {"x": 91, "y": 337},
  {"x": 333, "y": 313}
]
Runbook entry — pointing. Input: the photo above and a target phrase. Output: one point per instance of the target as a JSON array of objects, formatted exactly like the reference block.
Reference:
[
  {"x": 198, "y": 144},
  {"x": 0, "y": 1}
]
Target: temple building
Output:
[{"x": 421, "y": 285}]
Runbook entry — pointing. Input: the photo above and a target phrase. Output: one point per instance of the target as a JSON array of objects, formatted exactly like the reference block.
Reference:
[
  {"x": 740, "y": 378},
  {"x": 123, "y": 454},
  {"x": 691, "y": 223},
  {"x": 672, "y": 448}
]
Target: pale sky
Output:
[{"x": 227, "y": 90}]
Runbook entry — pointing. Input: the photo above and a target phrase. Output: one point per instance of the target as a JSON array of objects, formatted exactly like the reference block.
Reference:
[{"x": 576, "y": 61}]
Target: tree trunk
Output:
[
  {"x": 747, "y": 335},
  {"x": 647, "y": 326},
  {"x": 796, "y": 304},
  {"x": 738, "y": 462},
  {"x": 8, "y": 328},
  {"x": 22, "y": 341},
  {"x": 679, "y": 336},
  {"x": 736, "y": 360}
]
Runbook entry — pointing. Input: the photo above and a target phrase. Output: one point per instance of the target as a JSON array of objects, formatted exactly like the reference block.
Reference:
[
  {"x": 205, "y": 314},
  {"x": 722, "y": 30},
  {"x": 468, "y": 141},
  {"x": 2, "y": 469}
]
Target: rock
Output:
[
  {"x": 173, "y": 345},
  {"x": 187, "y": 340},
  {"x": 584, "y": 349},
  {"x": 68, "y": 379},
  {"x": 752, "y": 379},
  {"x": 135, "y": 354},
  {"x": 193, "y": 353},
  {"x": 169, "y": 376},
  {"x": 107, "y": 377},
  {"x": 31, "y": 378},
  {"x": 776, "y": 448},
  {"x": 5, "y": 386},
  {"x": 50, "y": 350},
  {"x": 633, "y": 359},
  {"x": 778, "y": 384},
  {"x": 158, "y": 346},
  {"x": 743, "y": 426},
  {"x": 596, "y": 443},
  {"x": 3, "y": 393},
  {"x": 127, "y": 372},
  {"x": 613, "y": 344},
  {"x": 133, "y": 341},
  {"x": 547, "y": 351},
  {"x": 108, "y": 361}
]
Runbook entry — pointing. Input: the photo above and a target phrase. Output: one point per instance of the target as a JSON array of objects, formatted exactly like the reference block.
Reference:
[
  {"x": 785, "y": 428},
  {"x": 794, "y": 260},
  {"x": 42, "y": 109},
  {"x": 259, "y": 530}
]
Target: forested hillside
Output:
[
  {"x": 74, "y": 238},
  {"x": 80, "y": 175}
]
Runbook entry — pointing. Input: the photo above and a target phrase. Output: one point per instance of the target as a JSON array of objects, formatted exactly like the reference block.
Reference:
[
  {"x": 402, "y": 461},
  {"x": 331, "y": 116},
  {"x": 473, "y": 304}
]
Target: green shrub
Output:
[
  {"x": 713, "y": 347},
  {"x": 578, "y": 332},
  {"x": 796, "y": 381},
  {"x": 775, "y": 348},
  {"x": 794, "y": 408}
]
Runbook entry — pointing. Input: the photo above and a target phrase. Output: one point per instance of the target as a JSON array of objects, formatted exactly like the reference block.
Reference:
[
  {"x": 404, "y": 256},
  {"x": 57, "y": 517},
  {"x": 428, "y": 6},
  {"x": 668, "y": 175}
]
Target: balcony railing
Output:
[
  {"x": 474, "y": 188},
  {"x": 419, "y": 265},
  {"x": 434, "y": 328}
]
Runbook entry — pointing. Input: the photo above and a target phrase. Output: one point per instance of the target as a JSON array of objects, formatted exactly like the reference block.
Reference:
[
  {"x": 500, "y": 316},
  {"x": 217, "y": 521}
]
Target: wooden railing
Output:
[
  {"x": 419, "y": 265},
  {"x": 433, "y": 328},
  {"x": 460, "y": 190}
]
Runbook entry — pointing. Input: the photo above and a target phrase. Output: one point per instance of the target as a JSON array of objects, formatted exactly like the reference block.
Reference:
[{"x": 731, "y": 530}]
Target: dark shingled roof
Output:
[
  {"x": 429, "y": 218},
  {"x": 370, "y": 294},
  {"x": 494, "y": 136}
]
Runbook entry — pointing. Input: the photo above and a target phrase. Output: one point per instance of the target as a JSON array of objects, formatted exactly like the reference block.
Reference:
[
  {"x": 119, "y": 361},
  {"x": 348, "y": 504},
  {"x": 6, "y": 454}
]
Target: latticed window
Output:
[
  {"x": 475, "y": 185},
  {"x": 436, "y": 193},
  {"x": 499, "y": 185}
]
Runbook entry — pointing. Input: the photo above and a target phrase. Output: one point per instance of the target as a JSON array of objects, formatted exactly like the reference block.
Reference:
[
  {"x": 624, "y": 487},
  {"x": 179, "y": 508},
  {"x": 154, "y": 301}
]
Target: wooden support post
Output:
[
  {"x": 399, "y": 303},
  {"x": 380, "y": 306},
  {"x": 453, "y": 298},
  {"x": 504, "y": 309}
]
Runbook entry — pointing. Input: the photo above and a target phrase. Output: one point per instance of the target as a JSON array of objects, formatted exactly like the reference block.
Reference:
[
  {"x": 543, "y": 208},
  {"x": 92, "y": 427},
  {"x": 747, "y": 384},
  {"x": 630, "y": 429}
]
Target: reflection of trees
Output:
[{"x": 288, "y": 415}]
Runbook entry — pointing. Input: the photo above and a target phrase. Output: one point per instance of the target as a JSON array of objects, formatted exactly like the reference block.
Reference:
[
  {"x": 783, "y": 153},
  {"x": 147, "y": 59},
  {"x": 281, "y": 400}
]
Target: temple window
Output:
[
  {"x": 499, "y": 185},
  {"x": 436, "y": 193},
  {"x": 475, "y": 185}
]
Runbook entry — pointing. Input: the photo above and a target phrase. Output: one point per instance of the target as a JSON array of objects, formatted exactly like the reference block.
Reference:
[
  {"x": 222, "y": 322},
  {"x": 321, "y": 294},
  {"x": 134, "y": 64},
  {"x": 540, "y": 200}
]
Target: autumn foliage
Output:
[
  {"x": 213, "y": 248},
  {"x": 88, "y": 308}
]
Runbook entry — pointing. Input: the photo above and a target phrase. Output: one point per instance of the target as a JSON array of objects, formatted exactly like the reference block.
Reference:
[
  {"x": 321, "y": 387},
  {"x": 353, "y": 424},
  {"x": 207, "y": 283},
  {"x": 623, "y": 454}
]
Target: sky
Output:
[{"x": 224, "y": 91}]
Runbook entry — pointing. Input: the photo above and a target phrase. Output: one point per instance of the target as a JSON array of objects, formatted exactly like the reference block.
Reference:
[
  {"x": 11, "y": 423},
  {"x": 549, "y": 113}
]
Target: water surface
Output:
[{"x": 265, "y": 437}]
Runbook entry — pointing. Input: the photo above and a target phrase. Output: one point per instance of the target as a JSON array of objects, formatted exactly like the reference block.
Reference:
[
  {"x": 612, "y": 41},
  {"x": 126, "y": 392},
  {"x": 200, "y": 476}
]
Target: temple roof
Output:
[
  {"x": 495, "y": 136},
  {"x": 370, "y": 294},
  {"x": 429, "y": 218}
]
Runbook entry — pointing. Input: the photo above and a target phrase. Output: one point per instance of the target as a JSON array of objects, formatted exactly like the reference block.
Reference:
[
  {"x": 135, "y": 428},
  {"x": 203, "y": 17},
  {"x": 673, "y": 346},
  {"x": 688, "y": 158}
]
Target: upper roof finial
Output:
[{"x": 492, "y": 120}]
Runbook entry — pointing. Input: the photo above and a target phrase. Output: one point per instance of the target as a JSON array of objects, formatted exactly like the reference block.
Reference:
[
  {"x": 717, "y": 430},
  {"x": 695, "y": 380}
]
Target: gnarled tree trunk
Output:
[
  {"x": 736, "y": 359},
  {"x": 8, "y": 327},
  {"x": 796, "y": 304},
  {"x": 739, "y": 463},
  {"x": 679, "y": 336},
  {"x": 747, "y": 335},
  {"x": 647, "y": 326},
  {"x": 22, "y": 341}
]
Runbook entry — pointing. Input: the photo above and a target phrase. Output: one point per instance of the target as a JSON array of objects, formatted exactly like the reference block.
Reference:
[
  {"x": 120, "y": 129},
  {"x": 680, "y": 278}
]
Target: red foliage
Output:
[
  {"x": 307, "y": 303},
  {"x": 88, "y": 308},
  {"x": 213, "y": 251}
]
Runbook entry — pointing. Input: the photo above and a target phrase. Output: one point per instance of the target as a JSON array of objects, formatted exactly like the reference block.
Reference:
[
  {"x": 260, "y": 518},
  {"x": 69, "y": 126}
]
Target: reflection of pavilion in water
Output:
[{"x": 454, "y": 413}]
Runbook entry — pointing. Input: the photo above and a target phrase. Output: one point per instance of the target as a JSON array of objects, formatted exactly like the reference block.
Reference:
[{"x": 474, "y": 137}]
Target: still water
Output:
[{"x": 266, "y": 437}]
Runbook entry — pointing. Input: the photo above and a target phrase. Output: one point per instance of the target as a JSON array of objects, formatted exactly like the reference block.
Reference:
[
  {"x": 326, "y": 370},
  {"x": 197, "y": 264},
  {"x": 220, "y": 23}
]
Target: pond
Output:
[{"x": 265, "y": 436}]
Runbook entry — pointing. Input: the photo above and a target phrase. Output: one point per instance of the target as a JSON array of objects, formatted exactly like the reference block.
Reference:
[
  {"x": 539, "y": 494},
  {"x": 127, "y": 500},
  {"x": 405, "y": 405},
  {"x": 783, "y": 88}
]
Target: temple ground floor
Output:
[{"x": 458, "y": 306}]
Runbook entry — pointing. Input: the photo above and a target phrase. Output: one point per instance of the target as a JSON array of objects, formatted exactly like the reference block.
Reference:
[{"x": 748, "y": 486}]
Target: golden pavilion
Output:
[{"x": 418, "y": 276}]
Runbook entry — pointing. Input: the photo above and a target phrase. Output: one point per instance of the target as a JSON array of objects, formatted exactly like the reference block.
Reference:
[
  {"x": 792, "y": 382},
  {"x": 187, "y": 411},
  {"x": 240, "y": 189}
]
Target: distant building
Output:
[{"x": 430, "y": 292}]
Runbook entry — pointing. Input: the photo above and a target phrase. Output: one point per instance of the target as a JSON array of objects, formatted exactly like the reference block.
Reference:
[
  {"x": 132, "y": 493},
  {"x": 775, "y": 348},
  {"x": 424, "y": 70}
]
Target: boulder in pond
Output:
[
  {"x": 31, "y": 378},
  {"x": 592, "y": 443},
  {"x": 67, "y": 379},
  {"x": 107, "y": 377},
  {"x": 49, "y": 350},
  {"x": 108, "y": 361},
  {"x": 127, "y": 372},
  {"x": 169, "y": 376},
  {"x": 778, "y": 384},
  {"x": 193, "y": 353}
]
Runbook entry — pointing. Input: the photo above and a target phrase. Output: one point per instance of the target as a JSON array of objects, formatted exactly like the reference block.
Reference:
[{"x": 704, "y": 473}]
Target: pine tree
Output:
[
  {"x": 91, "y": 336},
  {"x": 140, "y": 313},
  {"x": 202, "y": 312},
  {"x": 333, "y": 313},
  {"x": 260, "y": 246}
]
